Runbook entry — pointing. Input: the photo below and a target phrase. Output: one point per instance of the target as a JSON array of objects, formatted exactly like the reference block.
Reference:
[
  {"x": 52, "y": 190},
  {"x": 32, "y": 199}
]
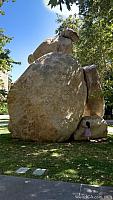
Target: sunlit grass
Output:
[
  {"x": 4, "y": 130},
  {"x": 110, "y": 129},
  {"x": 82, "y": 162}
]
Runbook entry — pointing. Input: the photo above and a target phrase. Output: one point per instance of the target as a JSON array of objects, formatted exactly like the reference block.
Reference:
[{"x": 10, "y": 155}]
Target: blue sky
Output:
[{"x": 29, "y": 23}]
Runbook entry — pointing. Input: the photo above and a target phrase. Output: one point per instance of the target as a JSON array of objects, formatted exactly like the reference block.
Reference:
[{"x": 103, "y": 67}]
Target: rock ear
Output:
[{"x": 30, "y": 58}]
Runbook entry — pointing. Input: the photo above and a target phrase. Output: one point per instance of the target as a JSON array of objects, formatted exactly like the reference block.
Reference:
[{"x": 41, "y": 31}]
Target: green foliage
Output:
[
  {"x": 96, "y": 43},
  {"x": 6, "y": 62},
  {"x": 1, "y": 3},
  {"x": 3, "y": 108},
  {"x": 3, "y": 102},
  {"x": 68, "y": 3},
  {"x": 98, "y": 7},
  {"x": 70, "y": 22},
  {"x": 108, "y": 87},
  {"x": 95, "y": 46}
]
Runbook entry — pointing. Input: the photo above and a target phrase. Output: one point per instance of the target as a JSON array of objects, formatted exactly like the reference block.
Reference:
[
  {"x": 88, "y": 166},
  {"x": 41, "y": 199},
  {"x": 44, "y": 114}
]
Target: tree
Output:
[
  {"x": 94, "y": 47},
  {"x": 70, "y": 22},
  {"x": 85, "y": 6},
  {"x": 2, "y": 1},
  {"x": 6, "y": 62},
  {"x": 96, "y": 33},
  {"x": 108, "y": 87},
  {"x": 68, "y": 3}
]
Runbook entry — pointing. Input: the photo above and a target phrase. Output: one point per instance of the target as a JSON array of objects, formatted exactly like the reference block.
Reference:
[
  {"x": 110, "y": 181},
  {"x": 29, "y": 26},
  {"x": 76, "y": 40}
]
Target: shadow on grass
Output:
[{"x": 82, "y": 162}]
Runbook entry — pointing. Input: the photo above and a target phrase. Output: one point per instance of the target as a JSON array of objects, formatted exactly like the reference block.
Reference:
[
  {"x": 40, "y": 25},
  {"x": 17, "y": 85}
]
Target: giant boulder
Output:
[
  {"x": 98, "y": 127},
  {"x": 47, "y": 102},
  {"x": 95, "y": 99}
]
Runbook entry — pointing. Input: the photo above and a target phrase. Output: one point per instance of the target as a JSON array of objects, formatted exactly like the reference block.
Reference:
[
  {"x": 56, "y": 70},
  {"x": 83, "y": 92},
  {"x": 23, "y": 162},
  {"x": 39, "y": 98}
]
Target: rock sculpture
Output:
[
  {"x": 62, "y": 43},
  {"x": 54, "y": 97},
  {"x": 47, "y": 102}
]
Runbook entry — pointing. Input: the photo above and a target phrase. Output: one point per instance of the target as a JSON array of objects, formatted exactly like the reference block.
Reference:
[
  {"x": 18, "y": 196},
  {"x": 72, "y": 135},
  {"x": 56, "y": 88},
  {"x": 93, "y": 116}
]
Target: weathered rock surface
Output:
[
  {"x": 58, "y": 44},
  {"x": 98, "y": 127},
  {"x": 62, "y": 43},
  {"x": 47, "y": 102},
  {"x": 70, "y": 33},
  {"x": 95, "y": 99}
]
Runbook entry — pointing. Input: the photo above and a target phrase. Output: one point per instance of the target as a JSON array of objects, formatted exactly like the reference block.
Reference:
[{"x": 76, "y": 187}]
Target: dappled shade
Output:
[{"x": 90, "y": 163}]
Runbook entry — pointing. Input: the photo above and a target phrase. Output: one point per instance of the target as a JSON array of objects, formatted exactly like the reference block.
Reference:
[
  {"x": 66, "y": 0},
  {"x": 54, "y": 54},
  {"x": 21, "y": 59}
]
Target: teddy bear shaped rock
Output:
[
  {"x": 53, "y": 96},
  {"x": 61, "y": 43}
]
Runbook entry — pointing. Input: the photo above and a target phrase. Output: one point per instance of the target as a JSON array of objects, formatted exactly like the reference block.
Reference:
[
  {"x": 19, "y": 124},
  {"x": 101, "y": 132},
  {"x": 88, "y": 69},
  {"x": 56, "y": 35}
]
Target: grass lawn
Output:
[{"x": 82, "y": 162}]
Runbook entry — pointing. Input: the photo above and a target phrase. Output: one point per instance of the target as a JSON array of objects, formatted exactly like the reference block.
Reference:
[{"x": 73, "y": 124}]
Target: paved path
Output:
[
  {"x": 4, "y": 116},
  {"x": 4, "y": 120},
  {"x": 16, "y": 188}
]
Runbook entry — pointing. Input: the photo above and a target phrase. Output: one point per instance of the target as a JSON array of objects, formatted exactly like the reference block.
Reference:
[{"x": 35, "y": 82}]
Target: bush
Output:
[{"x": 3, "y": 108}]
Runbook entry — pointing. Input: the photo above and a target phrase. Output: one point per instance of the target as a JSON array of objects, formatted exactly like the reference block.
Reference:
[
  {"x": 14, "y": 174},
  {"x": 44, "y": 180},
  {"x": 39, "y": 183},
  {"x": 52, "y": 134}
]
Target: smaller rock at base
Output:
[
  {"x": 39, "y": 172},
  {"x": 98, "y": 127},
  {"x": 22, "y": 170}
]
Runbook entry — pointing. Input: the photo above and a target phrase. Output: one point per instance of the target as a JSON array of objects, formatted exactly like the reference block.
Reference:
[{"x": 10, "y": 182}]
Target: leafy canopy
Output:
[
  {"x": 95, "y": 46},
  {"x": 6, "y": 62}
]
